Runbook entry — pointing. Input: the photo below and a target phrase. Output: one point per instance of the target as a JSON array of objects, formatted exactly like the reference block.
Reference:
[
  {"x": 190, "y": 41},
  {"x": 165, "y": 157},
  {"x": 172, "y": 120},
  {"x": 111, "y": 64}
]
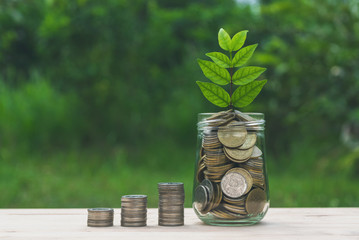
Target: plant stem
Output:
[{"x": 231, "y": 83}]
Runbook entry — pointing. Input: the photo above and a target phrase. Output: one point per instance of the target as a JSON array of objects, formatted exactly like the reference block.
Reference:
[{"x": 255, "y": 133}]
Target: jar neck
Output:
[{"x": 229, "y": 119}]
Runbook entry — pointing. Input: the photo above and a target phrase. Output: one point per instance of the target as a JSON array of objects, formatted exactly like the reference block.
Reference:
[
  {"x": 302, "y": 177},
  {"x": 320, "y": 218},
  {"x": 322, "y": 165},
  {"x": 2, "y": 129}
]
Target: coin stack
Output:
[
  {"x": 134, "y": 210},
  {"x": 171, "y": 204},
  {"x": 100, "y": 217},
  {"x": 230, "y": 168}
]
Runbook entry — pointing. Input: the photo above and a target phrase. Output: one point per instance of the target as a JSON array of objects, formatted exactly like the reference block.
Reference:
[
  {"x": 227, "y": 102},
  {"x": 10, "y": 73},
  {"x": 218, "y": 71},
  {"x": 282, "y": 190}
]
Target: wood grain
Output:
[{"x": 279, "y": 223}]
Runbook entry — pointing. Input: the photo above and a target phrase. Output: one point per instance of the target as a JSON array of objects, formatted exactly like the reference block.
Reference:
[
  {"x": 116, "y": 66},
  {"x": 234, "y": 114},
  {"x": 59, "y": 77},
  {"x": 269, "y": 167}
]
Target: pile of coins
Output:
[
  {"x": 171, "y": 204},
  {"x": 230, "y": 168},
  {"x": 100, "y": 217},
  {"x": 134, "y": 210}
]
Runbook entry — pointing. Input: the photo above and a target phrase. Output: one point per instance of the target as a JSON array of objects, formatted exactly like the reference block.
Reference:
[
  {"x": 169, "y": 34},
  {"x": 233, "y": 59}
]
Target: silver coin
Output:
[
  {"x": 135, "y": 224},
  {"x": 256, "y": 152},
  {"x": 201, "y": 198},
  {"x": 100, "y": 210},
  {"x": 95, "y": 224},
  {"x": 100, "y": 218},
  {"x": 233, "y": 184},
  {"x": 208, "y": 184},
  {"x": 168, "y": 222}
]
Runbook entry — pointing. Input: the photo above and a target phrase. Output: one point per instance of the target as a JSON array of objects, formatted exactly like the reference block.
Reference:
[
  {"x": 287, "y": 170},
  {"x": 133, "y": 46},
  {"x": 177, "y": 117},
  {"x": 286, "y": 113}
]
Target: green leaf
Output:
[
  {"x": 244, "y": 95},
  {"x": 246, "y": 75},
  {"x": 238, "y": 40},
  {"x": 215, "y": 94},
  {"x": 214, "y": 73},
  {"x": 243, "y": 55},
  {"x": 220, "y": 59},
  {"x": 224, "y": 40}
]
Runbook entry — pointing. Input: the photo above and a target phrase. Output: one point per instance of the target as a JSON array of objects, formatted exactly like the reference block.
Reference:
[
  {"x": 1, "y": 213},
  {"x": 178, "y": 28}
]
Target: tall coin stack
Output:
[
  {"x": 100, "y": 217},
  {"x": 171, "y": 201},
  {"x": 230, "y": 169},
  {"x": 134, "y": 210}
]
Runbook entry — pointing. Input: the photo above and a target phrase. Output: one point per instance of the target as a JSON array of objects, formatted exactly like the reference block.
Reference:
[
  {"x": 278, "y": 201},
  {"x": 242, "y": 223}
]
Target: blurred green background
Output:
[{"x": 98, "y": 98}]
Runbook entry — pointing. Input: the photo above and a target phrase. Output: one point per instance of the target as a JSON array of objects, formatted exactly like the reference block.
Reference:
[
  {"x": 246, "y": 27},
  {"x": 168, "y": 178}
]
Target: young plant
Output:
[{"x": 222, "y": 72}]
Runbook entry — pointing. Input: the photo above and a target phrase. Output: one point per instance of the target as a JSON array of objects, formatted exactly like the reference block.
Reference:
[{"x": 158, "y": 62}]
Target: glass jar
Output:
[{"x": 230, "y": 181}]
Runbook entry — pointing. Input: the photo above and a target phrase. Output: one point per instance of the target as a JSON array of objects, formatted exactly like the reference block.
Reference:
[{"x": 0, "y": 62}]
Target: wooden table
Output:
[{"x": 279, "y": 223}]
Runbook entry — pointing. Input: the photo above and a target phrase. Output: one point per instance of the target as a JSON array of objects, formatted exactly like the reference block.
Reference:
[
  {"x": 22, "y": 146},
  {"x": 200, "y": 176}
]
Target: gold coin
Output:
[
  {"x": 256, "y": 200},
  {"x": 243, "y": 117},
  {"x": 219, "y": 114},
  {"x": 237, "y": 201},
  {"x": 251, "y": 139},
  {"x": 222, "y": 121},
  {"x": 217, "y": 195},
  {"x": 201, "y": 152},
  {"x": 200, "y": 172},
  {"x": 232, "y": 136},
  {"x": 235, "y": 208},
  {"x": 237, "y": 155}
]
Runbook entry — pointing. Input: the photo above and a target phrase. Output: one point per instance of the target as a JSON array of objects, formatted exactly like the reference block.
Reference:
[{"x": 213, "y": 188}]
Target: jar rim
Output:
[
  {"x": 247, "y": 113},
  {"x": 256, "y": 120}
]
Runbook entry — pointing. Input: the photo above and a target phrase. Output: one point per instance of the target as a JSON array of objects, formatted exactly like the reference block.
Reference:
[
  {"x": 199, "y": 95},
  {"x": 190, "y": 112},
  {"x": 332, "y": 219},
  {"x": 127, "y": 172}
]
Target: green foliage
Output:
[
  {"x": 238, "y": 40},
  {"x": 245, "y": 94},
  {"x": 224, "y": 40},
  {"x": 243, "y": 55},
  {"x": 214, "y": 72},
  {"x": 37, "y": 114},
  {"x": 246, "y": 75},
  {"x": 215, "y": 94},
  {"x": 217, "y": 72},
  {"x": 220, "y": 59}
]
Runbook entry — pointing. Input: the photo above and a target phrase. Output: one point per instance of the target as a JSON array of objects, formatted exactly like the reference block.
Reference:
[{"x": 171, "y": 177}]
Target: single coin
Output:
[
  {"x": 132, "y": 198},
  {"x": 170, "y": 184},
  {"x": 251, "y": 139},
  {"x": 246, "y": 175},
  {"x": 255, "y": 202},
  {"x": 208, "y": 184},
  {"x": 234, "y": 184},
  {"x": 232, "y": 136},
  {"x": 100, "y": 210},
  {"x": 256, "y": 152},
  {"x": 243, "y": 117},
  {"x": 201, "y": 198},
  {"x": 238, "y": 155}
]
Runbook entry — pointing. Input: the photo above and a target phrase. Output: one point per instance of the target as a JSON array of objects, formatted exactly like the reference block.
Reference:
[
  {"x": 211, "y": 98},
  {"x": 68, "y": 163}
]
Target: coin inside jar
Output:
[
  {"x": 234, "y": 184},
  {"x": 237, "y": 155},
  {"x": 200, "y": 198},
  {"x": 256, "y": 152},
  {"x": 250, "y": 141},
  {"x": 255, "y": 201},
  {"x": 233, "y": 136}
]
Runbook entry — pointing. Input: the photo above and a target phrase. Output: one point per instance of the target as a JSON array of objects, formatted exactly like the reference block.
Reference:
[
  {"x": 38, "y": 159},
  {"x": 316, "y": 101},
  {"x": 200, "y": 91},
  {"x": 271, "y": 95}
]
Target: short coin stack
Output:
[
  {"x": 100, "y": 217},
  {"x": 171, "y": 201},
  {"x": 134, "y": 210}
]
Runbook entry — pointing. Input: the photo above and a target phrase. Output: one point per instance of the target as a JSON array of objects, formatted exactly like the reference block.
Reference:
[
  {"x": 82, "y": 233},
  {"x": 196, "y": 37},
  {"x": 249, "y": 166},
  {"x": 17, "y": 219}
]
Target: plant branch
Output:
[{"x": 231, "y": 83}]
